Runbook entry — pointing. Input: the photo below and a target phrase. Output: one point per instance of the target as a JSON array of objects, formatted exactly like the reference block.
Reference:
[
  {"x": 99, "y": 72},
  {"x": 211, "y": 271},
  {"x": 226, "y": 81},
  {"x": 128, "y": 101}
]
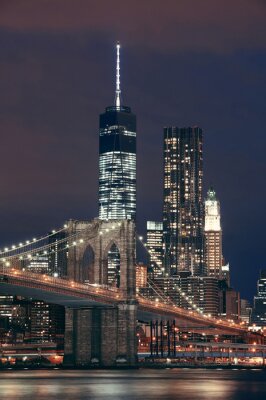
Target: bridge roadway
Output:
[{"x": 78, "y": 295}]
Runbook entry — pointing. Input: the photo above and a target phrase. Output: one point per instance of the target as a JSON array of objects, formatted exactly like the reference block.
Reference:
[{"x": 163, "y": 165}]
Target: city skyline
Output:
[{"x": 50, "y": 175}]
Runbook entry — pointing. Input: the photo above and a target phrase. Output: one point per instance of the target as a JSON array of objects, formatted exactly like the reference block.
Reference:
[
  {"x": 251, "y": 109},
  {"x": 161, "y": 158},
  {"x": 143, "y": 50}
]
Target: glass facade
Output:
[
  {"x": 183, "y": 206},
  {"x": 113, "y": 273},
  {"x": 117, "y": 164}
]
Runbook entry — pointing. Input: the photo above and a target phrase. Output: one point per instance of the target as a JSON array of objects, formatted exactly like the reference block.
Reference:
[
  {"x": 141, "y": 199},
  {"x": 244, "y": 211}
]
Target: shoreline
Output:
[{"x": 141, "y": 366}]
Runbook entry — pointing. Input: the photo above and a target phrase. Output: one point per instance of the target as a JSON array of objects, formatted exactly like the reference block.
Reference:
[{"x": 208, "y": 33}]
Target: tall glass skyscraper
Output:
[
  {"x": 183, "y": 206},
  {"x": 117, "y": 158}
]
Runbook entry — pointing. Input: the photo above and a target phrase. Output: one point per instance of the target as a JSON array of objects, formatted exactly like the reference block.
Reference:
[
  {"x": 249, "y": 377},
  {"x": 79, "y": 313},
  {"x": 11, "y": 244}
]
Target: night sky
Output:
[{"x": 184, "y": 63}]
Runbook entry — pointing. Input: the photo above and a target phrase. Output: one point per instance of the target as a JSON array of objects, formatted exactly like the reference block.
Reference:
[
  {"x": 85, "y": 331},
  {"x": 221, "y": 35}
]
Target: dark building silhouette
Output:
[{"x": 259, "y": 310}]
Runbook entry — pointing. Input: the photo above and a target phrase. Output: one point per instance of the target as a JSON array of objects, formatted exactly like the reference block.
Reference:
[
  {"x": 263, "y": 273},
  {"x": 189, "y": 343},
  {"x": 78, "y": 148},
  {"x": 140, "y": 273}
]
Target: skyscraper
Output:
[
  {"x": 259, "y": 310},
  {"x": 213, "y": 235},
  {"x": 183, "y": 207},
  {"x": 155, "y": 246},
  {"x": 117, "y": 158}
]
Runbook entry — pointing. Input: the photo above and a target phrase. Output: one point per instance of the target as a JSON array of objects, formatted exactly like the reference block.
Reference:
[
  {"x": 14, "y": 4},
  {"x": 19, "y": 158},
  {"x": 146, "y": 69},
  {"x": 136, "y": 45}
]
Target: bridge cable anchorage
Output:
[{"x": 195, "y": 307}]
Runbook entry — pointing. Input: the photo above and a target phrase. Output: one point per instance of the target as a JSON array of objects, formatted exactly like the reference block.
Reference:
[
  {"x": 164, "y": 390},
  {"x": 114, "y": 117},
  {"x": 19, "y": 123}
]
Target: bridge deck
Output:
[{"x": 74, "y": 294}]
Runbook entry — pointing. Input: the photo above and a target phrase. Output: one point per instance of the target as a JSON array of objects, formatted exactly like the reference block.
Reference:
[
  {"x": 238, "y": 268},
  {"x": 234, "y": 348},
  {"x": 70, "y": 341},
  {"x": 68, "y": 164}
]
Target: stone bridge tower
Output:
[{"x": 103, "y": 335}]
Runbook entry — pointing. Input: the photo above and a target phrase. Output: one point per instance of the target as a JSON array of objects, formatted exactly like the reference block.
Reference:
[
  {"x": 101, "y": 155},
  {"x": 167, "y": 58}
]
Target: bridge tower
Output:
[{"x": 103, "y": 335}]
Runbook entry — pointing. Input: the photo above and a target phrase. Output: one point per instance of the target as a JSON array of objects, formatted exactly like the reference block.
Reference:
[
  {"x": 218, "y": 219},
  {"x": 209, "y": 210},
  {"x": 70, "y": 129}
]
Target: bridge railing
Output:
[
  {"x": 40, "y": 280},
  {"x": 172, "y": 309}
]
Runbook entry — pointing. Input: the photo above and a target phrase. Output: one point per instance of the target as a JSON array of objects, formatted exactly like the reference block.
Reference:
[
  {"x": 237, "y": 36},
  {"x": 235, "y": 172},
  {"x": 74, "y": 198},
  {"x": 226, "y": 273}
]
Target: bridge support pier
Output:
[{"x": 104, "y": 337}]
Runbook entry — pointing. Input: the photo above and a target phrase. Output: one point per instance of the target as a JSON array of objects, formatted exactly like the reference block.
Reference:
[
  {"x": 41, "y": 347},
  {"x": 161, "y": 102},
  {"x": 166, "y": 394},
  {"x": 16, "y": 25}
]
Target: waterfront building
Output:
[
  {"x": 47, "y": 322},
  {"x": 6, "y": 312},
  {"x": 213, "y": 235},
  {"x": 183, "y": 206},
  {"x": 117, "y": 158},
  {"x": 154, "y": 246},
  {"x": 259, "y": 308}
]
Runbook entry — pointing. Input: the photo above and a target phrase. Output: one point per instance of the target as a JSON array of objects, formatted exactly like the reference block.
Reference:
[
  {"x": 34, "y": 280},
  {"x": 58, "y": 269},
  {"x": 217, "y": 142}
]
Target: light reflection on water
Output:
[{"x": 143, "y": 384}]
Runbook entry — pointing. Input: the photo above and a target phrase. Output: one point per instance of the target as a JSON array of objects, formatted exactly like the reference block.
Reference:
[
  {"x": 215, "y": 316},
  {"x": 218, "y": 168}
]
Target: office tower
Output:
[
  {"x": 213, "y": 235},
  {"x": 155, "y": 247},
  {"x": 40, "y": 321},
  {"x": 141, "y": 275},
  {"x": 202, "y": 291},
  {"x": 245, "y": 311},
  {"x": 195, "y": 293},
  {"x": 6, "y": 312},
  {"x": 117, "y": 158},
  {"x": 226, "y": 274},
  {"x": 47, "y": 322},
  {"x": 183, "y": 208},
  {"x": 229, "y": 301},
  {"x": 259, "y": 310},
  {"x": 39, "y": 265}
]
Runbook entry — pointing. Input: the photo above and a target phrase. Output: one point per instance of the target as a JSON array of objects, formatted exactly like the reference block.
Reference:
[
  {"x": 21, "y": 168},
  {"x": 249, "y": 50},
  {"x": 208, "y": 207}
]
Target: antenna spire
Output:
[{"x": 117, "y": 88}]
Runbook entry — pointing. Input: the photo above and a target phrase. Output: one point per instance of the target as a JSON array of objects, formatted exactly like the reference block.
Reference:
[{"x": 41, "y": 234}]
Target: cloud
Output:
[{"x": 169, "y": 25}]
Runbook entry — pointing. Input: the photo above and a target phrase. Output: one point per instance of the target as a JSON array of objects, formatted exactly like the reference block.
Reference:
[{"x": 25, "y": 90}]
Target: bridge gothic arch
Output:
[
  {"x": 87, "y": 265},
  {"x": 107, "y": 253},
  {"x": 111, "y": 264}
]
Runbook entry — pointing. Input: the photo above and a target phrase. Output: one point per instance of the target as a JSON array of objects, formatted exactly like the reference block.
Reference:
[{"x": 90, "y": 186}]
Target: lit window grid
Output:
[
  {"x": 182, "y": 194},
  {"x": 117, "y": 185}
]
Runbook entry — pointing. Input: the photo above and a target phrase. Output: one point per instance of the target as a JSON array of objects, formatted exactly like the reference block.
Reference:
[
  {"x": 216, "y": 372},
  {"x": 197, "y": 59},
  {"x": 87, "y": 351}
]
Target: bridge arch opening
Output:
[
  {"x": 113, "y": 266},
  {"x": 87, "y": 265}
]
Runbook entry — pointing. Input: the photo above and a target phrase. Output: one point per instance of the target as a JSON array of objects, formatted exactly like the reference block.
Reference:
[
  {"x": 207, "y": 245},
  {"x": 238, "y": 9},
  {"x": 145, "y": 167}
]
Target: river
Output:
[{"x": 170, "y": 384}]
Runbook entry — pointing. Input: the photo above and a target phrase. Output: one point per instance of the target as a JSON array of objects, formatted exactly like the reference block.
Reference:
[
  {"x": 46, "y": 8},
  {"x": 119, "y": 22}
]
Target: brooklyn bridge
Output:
[{"x": 103, "y": 307}]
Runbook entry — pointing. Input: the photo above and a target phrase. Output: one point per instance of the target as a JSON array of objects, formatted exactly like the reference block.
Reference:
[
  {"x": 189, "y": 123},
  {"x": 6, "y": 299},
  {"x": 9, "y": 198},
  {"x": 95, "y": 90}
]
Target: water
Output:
[{"x": 170, "y": 384}]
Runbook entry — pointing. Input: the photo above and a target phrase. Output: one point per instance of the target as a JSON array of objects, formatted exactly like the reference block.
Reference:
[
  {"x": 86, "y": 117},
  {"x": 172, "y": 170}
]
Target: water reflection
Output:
[{"x": 186, "y": 384}]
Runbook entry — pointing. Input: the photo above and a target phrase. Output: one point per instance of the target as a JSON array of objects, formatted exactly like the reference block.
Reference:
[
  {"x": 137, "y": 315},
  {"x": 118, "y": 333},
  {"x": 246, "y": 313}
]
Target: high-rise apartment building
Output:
[
  {"x": 213, "y": 235},
  {"x": 117, "y": 158},
  {"x": 183, "y": 207},
  {"x": 155, "y": 246}
]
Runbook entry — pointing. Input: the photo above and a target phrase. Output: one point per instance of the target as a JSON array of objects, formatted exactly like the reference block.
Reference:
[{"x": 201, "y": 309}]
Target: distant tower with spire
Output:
[
  {"x": 117, "y": 158},
  {"x": 213, "y": 235}
]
